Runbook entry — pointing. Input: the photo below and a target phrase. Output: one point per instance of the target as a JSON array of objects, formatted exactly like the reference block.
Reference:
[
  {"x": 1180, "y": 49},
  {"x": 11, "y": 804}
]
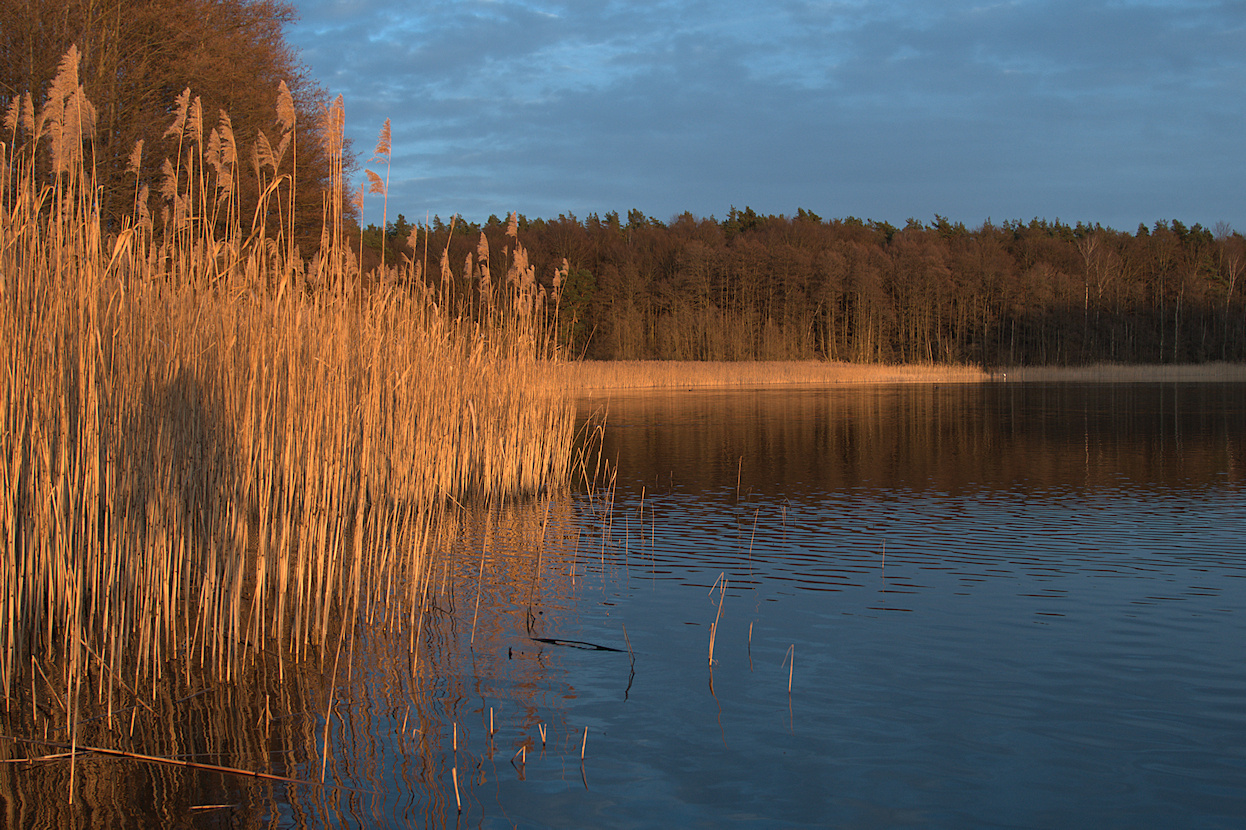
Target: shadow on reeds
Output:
[
  {"x": 195, "y": 455},
  {"x": 220, "y": 486}
]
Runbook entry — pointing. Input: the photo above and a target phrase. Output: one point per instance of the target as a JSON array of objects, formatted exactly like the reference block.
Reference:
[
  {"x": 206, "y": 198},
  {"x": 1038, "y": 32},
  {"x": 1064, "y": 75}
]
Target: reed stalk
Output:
[
  {"x": 790, "y": 661},
  {"x": 721, "y": 584},
  {"x": 217, "y": 458}
]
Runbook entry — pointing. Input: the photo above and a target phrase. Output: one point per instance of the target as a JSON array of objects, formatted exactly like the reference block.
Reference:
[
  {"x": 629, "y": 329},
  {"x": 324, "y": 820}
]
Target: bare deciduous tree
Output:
[{"x": 137, "y": 57}]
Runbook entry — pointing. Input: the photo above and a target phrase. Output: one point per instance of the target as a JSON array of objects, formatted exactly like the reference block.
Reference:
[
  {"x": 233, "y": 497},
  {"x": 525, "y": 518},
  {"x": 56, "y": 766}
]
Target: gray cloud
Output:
[{"x": 1117, "y": 112}]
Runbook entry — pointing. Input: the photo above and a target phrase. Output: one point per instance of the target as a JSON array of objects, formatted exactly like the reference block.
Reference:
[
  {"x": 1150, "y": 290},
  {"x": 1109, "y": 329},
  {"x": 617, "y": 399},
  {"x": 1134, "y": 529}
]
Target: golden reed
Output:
[{"x": 212, "y": 453}]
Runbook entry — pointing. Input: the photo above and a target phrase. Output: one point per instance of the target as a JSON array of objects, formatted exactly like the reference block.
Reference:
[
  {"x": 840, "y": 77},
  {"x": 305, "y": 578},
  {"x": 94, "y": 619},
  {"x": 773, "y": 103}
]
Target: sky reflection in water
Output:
[
  {"x": 996, "y": 605},
  {"x": 1009, "y": 606},
  {"x": 1003, "y": 605}
]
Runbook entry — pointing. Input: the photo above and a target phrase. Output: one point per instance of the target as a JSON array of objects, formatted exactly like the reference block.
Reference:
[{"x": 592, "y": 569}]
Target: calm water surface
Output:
[
  {"x": 1008, "y": 605},
  {"x": 1003, "y": 606},
  {"x": 999, "y": 606}
]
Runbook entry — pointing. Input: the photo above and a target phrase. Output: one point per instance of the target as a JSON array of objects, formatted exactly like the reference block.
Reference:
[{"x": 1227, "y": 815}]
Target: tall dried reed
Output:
[{"x": 212, "y": 453}]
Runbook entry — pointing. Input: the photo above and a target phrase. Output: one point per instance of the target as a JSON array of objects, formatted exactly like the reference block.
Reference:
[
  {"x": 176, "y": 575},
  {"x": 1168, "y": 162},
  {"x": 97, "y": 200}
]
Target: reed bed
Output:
[
  {"x": 673, "y": 374},
  {"x": 215, "y": 456},
  {"x": 588, "y": 376}
]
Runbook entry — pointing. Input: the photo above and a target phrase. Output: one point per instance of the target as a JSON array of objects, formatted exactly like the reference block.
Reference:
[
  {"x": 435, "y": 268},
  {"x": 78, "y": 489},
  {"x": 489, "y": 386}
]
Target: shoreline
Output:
[
  {"x": 1130, "y": 373},
  {"x": 658, "y": 375}
]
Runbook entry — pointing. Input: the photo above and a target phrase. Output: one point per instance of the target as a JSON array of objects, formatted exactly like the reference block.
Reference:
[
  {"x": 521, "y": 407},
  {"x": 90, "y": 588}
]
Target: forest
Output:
[
  {"x": 136, "y": 59},
  {"x": 765, "y": 287},
  {"x": 747, "y": 287}
]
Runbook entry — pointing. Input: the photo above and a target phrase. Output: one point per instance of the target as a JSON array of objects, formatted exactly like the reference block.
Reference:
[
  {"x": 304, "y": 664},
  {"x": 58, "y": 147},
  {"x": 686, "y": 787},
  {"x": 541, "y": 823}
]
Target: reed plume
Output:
[
  {"x": 382, "y": 187},
  {"x": 210, "y": 459},
  {"x": 287, "y": 120},
  {"x": 178, "y": 126},
  {"x": 194, "y": 120},
  {"x": 12, "y": 116},
  {"x": 375, "y": 183},
  {"x": 135, "y": 163}
]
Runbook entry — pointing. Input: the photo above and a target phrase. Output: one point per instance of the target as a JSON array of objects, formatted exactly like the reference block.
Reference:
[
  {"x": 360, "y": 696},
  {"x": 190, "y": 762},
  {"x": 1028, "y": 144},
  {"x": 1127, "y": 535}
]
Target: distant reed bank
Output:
[{"x": 676, "y": 374}]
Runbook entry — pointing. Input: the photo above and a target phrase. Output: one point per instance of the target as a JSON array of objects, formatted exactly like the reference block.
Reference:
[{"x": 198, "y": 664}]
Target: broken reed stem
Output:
[
  {"x": 641, "y": 518},
  {"x": 722, "y": 577},
  {"x": 158, "y": 759},
  {"x": 56, "y": 756},
  {"x": 630, "y": 656},
  {"x": 790, "y": 662},
  {"x": 73, "y": 748},
  {"x": 328, "y": 715},
  {"x": 540, "y": 555},
  {"x": 583, "y": 745},
  {"x": 480, "y": 577},
  {"x": 454, "y": 769},
  {"x": 753, "y": 538}
]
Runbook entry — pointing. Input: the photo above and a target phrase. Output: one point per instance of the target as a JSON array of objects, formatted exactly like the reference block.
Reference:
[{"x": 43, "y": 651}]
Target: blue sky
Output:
[{"x": 1079, "y": 110}]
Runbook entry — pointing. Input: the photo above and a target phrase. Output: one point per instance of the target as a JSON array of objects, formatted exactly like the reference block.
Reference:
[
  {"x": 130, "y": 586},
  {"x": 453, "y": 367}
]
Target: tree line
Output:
[
  {"x": 754, "y": 287},
  {"x": 747, "y": 287}
]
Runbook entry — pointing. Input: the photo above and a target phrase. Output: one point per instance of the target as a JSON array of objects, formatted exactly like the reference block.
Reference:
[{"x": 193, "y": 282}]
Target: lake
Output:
[
  {"x": 1000, "y": 605},
  {"x": 996, "y": 605}
]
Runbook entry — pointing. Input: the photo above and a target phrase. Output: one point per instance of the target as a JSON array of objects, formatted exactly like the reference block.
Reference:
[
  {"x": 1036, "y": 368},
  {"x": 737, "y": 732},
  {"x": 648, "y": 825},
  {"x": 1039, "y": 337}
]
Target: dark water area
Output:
[
  {"x": 1001, "y": 605},
  {"x": 1004, "y": 606}
]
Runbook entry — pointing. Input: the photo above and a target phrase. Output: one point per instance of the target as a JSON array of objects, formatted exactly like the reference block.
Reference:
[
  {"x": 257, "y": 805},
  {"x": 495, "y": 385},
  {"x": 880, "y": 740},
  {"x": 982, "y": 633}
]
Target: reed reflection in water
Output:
[
  {"x": 995, "y": 605},
  {"x": 408, "y": 710}
]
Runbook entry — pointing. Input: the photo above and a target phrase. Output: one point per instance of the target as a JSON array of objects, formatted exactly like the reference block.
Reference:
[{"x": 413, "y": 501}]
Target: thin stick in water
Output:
[
  {"x": 753, "y": 539},
  {"x": 790, "y": 660},
  {"x": 172, "y": 762},
  {"x": 716, "y": 582},
  {"x": 484, "y": 546},
  {"x": 714, "y": 628},
  {"x": 626, "y": 639},
  {"x": 642, "y": 520},
  {"x": 750, "y": 646},
  {"x": 328, "y": 714}
]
